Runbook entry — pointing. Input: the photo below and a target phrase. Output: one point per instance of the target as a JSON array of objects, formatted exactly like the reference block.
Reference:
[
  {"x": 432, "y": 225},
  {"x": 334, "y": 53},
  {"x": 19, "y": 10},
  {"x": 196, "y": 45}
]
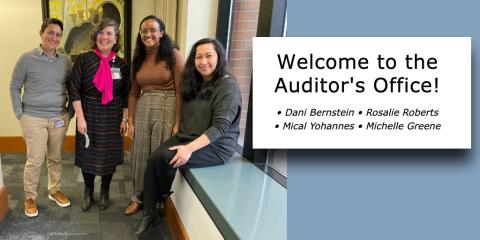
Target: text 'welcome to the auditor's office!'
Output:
[{"x": 362, "y": 92}]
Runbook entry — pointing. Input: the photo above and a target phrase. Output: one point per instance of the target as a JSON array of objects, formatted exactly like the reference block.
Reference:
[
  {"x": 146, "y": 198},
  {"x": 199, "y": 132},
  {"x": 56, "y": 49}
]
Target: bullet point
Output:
[
  {"x": 279, "y": 112},
  {"x": 360, "y": 126},
  {"x": 276, "y": 126},
  {"x": 360, "y": 112}
]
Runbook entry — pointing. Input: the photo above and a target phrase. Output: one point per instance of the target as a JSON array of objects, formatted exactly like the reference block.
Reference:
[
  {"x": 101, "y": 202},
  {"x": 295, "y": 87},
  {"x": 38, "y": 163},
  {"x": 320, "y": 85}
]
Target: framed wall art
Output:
[{"x": 79, "y": 18}]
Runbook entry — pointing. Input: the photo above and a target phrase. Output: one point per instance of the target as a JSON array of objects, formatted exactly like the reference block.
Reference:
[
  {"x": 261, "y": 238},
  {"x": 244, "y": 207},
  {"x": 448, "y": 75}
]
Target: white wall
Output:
[
  {"x": 140, "y": 9},
  {"x": 194, "y": 217},
  {"x": 201, "y": 21},
  {"x": 20, "y": 22}
]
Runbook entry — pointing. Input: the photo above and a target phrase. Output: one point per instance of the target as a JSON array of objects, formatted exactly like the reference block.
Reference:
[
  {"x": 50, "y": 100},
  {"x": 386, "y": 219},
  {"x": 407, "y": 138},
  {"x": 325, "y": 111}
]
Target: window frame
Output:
[{"x": 271, "y": 23}]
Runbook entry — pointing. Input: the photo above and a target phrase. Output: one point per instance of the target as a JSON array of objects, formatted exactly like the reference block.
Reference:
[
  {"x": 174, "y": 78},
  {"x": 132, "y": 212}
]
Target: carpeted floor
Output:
[{"x": 54, "y": 222}]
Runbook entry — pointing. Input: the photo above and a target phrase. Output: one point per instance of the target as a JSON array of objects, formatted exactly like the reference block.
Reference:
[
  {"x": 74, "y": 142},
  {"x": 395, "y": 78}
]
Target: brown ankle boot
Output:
[{"x": 133, "y": 208}]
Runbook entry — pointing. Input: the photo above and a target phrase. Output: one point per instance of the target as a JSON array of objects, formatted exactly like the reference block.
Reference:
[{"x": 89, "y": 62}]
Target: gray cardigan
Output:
[
  {"x": 217, "y": 117},
  {"x": 43, "y": 81}
]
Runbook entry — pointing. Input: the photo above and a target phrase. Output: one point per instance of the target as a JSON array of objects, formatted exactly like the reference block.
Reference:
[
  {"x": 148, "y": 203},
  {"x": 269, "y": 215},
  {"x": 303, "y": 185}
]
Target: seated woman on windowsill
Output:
[{"x": 209, "y": 125}]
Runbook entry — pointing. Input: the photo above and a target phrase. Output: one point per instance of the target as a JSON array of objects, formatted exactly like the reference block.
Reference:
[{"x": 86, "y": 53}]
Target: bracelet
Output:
[{"x": 124, "y": 119}]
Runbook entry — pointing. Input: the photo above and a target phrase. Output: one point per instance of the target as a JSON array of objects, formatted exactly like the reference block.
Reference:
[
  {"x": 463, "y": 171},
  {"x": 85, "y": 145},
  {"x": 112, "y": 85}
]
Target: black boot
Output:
[
  {"x": 150, "y": 218},
  {"x": 104, "y": 201},
  {"x": 87, "y": 198},
  {"x": 161, "y": 207}
]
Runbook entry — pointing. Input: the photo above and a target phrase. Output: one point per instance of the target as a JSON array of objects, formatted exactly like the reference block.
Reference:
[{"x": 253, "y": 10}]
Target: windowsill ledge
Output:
[{"x": 242, "y": 201}]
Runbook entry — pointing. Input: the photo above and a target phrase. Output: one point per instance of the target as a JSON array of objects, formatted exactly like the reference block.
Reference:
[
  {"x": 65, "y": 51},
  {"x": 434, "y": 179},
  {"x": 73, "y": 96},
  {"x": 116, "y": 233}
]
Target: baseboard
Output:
[
  {"x": 12, "y": 144},
  {"x": 177, "y": 230},
  {"x": 3, "y": 202},
  {"x": 16, "y": 144}
]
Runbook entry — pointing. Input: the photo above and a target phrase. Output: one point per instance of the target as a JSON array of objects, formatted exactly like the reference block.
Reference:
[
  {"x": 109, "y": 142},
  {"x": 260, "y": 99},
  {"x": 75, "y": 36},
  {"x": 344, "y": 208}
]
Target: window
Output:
[
  {"x": 237, "y": 25},
  {"x": 238, "y": 22}
]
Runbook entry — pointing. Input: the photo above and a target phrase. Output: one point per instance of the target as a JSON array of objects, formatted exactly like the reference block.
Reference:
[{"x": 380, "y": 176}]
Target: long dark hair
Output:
[
  {"x": 165, "y": 51},
  {"x": 193, "y": 80}
]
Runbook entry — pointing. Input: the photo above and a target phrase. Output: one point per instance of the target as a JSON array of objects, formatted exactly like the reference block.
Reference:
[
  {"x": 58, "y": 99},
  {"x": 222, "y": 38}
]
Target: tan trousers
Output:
[{"x": 43, "y": 137}]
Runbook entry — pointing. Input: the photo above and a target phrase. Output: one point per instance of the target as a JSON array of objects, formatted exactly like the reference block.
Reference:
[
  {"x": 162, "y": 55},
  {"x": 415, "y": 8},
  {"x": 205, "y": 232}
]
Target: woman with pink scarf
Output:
[{"x": 98, "y": 87}]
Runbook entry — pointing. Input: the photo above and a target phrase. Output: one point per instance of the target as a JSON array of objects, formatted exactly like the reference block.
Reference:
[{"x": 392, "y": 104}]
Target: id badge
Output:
[
  {"x": 116, "y": 73},
  {"x": 59, "y": 123}
]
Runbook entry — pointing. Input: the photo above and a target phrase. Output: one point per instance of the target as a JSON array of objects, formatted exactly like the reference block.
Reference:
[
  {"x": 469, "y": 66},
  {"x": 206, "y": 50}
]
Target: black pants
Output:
[
  {"x": 159, "y": 174},
  {"x": 88, "y": 179}
]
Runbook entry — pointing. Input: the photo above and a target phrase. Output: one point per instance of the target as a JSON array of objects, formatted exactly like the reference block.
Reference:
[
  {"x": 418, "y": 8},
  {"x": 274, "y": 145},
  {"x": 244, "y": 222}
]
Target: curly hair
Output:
[
  {"x": 193, "y": 80},
  {"x": 165, "y": 51}
]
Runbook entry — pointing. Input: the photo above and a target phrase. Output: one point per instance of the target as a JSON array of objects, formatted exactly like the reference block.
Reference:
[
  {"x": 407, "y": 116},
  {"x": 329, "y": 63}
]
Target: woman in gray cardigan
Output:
[{"x": 209, "y": 125}]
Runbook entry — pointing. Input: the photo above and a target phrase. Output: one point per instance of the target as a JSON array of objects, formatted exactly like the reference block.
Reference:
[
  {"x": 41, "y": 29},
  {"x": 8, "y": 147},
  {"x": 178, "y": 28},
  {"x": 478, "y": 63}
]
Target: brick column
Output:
[{"x": 244, "y": 29}]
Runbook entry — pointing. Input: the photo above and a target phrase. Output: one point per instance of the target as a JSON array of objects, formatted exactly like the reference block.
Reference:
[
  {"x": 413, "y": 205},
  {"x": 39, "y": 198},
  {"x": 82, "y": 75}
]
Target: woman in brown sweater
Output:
[{"x": 154, "y": 102}]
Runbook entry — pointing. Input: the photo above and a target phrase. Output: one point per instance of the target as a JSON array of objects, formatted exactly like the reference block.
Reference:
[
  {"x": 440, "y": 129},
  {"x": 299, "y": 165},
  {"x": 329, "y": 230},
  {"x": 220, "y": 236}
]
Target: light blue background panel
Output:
[{"x": 386, "y": 194}]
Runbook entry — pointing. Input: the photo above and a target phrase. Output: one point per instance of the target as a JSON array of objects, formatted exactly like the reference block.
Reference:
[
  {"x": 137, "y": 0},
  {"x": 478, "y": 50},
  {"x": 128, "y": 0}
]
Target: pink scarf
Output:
[{"x": 103, "y": 78}]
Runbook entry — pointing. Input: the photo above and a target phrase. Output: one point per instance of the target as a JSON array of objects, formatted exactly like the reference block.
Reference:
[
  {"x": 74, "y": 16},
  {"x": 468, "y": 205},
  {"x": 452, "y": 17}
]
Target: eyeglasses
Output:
[{"x": 149, "y": 30}]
